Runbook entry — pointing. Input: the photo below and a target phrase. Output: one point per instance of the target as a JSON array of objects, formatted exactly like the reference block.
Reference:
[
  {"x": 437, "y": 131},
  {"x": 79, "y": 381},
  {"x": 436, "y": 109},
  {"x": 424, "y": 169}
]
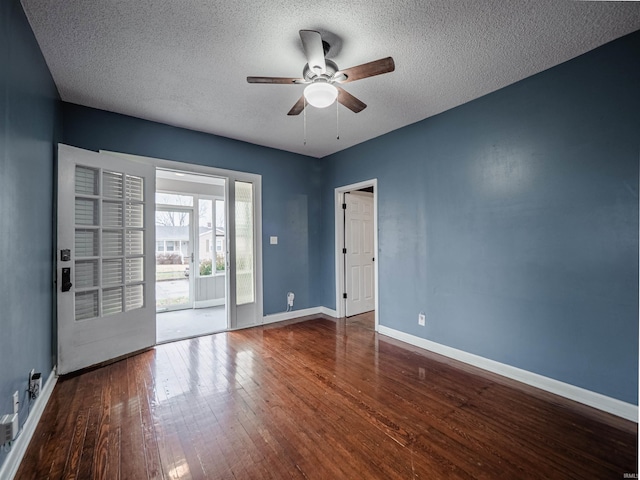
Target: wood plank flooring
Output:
[{"x": 316, "y": 399}]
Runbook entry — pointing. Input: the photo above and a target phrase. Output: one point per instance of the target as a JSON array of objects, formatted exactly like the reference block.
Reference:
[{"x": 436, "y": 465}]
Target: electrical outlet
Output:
[
  {"x": 290, "y": 297},
  {"x": 421, "y": 319},
  {"x": 16, "y": 402},
  {"x": 35, "y": 384},
  {"x": 8, "y": 428}
]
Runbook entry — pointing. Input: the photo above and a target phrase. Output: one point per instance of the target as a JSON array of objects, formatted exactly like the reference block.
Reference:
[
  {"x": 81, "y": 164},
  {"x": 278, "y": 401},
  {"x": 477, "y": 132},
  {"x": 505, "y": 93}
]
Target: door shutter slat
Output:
[
  {"x": 135, "y": 297},
  {"x": 111, "y": 214},
  {"x": 134, "y": 242},
  {"x": 86, "y": 211},
  {"x": 112, "y": 185},
  {"x": 112, "y": 244},
  {"x": 135, "y": 188},
  {"x": 134, "y": 270},
  {"x": 86, "y": 243},
  {"x": 86, "y": 274},
  {"x": 134, "y": 216},
  {"x": 111, "y": 301},
  {"x": 86, "y": 181},
  {"x": 86, "y": 305},
  {"x": 112, "y": 272}
]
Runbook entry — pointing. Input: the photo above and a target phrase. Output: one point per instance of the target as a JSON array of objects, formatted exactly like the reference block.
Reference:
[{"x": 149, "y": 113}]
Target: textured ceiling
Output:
[{"x": 185, "y": 63}]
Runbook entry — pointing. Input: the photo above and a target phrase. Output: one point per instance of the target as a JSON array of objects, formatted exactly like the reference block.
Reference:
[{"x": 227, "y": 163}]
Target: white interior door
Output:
[
  {"x": 359, "y": 256},
  {"x": 105, "y": 258}
]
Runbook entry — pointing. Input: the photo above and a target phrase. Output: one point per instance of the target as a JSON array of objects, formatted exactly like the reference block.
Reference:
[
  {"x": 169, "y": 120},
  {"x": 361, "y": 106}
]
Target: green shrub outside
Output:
[
  {"x": 220, "y": 264},
  {"x": 205, "y": 267}
]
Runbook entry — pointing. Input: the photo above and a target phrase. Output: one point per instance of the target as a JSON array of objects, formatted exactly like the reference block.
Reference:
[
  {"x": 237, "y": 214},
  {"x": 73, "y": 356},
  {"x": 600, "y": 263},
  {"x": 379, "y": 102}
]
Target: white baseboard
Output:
[
  {"x": 293, "y": 314},
  {"x": 329, "y": 312},
  {"x": 282, "y": 316},
  {"x": 587, "y": 397},
  {"x": 19, "y": 448}
]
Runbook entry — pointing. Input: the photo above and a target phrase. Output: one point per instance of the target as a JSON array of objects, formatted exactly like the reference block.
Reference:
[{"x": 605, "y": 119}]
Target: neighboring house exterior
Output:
[
  {"x": 172, "y": 240},
  {"x": 175, "y": 239},
  {"x": 210, "y": 245}
]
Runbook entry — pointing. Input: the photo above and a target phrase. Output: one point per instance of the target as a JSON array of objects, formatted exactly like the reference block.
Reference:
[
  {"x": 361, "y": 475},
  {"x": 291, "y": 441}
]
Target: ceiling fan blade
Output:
[
  {"x": 371, "y": 69},
  {"x": 349, "y": 101},
  {"x": 280, "y": 80},
  {"x": 313, "y": 49},
  {"x": 298, "y": 107}
]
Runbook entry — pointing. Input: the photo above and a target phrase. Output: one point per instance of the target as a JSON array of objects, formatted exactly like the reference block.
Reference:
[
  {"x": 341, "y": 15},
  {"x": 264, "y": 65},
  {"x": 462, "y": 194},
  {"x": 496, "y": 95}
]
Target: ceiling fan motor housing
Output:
[{"x": 309, "y": 75}]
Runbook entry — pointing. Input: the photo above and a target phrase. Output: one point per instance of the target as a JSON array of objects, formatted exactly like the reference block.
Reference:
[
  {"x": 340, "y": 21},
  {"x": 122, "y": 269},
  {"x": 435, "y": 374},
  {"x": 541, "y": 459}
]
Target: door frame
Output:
[
  {"x": 339, "y": 242},
  {"x": 229, "y": 176}
]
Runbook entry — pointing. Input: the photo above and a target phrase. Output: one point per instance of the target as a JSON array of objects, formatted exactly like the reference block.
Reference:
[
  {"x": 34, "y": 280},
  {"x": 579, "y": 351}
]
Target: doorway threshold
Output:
[{"x": 193, "y": 322}]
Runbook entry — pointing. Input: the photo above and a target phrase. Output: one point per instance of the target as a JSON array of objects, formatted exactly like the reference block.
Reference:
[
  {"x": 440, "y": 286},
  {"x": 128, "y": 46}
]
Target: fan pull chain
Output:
[
  {"x": 304, "y": 122},
  {"x": 337, "y": 121}
]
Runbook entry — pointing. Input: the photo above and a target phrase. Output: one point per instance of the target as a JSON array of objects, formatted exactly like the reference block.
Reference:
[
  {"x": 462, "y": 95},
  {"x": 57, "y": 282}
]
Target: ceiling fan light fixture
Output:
[{"x": 320, "y": 94}]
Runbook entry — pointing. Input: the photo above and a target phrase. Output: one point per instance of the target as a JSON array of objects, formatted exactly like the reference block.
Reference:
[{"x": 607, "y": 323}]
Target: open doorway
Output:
[
  {"x": 356, "y": 251},
  {"x": 190, "y": 255}
]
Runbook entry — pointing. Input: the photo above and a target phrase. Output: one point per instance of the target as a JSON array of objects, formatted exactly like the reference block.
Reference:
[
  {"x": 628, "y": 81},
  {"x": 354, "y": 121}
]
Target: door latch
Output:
[{"x": 66, "y": 279}]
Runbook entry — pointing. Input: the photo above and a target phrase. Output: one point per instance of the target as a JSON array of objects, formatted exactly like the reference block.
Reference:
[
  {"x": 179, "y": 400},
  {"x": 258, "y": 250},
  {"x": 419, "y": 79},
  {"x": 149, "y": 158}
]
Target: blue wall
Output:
[
  {"x": 512, "y": 221},
  {"x": 28, "y": 129},
  {"x": 290, "y": 189}
]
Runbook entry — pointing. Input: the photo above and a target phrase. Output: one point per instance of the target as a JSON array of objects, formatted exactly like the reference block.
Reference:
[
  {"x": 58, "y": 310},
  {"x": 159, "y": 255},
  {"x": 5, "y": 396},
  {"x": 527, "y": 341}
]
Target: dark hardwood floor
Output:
[{"x": 315, "y": 399}]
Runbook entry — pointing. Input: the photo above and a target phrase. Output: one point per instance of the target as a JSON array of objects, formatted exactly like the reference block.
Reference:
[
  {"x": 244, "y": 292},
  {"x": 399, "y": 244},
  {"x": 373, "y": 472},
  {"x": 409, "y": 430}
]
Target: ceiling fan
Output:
[{"x": 322, "y": 76}]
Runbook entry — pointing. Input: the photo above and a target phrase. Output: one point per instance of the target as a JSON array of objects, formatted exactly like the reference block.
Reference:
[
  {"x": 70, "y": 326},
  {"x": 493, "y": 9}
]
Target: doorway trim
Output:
[
  {"x": 230, "y": 176},
  {"x": 339, "y": 242}
]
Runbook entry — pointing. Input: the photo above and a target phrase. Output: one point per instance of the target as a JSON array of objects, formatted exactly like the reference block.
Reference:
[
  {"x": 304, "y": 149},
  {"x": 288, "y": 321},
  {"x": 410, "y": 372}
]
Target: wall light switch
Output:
[{"x": 273, "y": 240}]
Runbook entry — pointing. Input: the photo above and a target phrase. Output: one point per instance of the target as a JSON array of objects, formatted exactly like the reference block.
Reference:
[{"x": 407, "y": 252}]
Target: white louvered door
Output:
[{"x": 105, "y": 258}]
